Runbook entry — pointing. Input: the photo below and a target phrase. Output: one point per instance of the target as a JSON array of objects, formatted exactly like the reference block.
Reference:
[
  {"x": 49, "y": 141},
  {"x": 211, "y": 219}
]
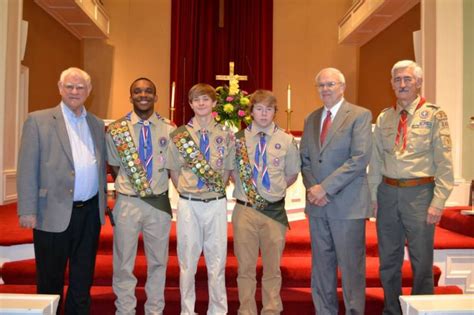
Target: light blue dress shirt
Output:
[{"x": 86, "y": 182}]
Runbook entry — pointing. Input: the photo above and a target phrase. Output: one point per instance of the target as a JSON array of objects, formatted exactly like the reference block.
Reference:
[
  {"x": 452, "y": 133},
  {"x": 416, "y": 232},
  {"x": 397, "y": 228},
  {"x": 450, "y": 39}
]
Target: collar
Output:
[
  {"x": 134, "y": 119},
  {"x": 335, "y": 108},
  {"x": 195, "y": 127},
  {"x": 410, "y": 108},
  {"x": 269, "y": 131},
  {"x": 70, "y": 114}
]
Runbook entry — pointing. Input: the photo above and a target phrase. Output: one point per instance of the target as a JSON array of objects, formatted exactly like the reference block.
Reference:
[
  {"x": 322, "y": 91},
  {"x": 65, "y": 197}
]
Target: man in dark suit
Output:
[
  {"x": 61, "y": 190},
  {"x": 335, "y": 150}
]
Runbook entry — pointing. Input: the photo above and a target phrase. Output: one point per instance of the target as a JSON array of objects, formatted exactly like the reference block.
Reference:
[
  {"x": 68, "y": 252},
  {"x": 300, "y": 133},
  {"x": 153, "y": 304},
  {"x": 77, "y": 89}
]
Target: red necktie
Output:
[
  {"x": 326, "y": 125},
  {"x": 402, "y": 130}
]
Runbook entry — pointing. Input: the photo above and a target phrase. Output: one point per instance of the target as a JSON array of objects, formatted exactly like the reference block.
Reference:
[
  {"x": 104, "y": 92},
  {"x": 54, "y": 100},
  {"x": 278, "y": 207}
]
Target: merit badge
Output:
[
  {"x": 219, "y": 140},
  {"x": 276, "y": 161},
  {"x": 163, "y": 141},
  {"x": 277, "y": 146},
  {"x": 219, "y": 162},
  {"x": 424, "y": 114}
]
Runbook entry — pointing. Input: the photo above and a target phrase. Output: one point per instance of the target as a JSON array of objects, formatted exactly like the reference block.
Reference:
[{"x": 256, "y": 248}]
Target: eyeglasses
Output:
[
  {"x": 70, "y": 87},
  {"x": 329, "y": 85}
]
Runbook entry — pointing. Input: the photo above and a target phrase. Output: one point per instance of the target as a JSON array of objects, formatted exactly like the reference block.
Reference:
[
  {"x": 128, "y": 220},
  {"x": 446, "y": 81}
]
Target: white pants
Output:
[
  {"x": 133, "y": 216},
  {"x": 202, "y": 226}
]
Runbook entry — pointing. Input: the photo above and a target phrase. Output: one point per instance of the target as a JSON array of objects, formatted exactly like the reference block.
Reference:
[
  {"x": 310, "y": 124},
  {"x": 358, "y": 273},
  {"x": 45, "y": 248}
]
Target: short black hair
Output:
[{"x": 143, "y": 78}]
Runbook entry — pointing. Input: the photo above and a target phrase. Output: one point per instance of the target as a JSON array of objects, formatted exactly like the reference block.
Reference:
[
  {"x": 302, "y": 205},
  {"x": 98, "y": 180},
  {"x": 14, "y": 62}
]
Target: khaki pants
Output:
[
  {"x": 132, "y": 217},
  {"x": 254, "y": 230},
  {"x": 202, "y": 227}
]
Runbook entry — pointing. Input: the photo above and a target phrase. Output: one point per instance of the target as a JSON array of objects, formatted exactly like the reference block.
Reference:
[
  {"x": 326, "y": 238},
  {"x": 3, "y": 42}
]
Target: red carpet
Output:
[{"x": 296, "y": 268}]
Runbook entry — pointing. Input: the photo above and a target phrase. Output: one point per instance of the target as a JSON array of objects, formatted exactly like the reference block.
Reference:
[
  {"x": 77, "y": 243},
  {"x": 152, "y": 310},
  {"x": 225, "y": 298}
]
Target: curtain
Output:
[{"x": 200, "y": 49}]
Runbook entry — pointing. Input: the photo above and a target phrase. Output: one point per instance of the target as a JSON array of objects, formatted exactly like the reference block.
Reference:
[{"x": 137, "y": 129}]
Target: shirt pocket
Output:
[
  {"x": 419, "y": 139},
  {"x": 276, "y": 161},
  {"x": 388, "y": 139}
]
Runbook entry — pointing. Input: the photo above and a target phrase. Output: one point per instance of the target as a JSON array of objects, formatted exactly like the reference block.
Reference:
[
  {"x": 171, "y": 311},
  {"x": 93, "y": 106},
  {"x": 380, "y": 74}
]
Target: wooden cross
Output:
[{"x": 231, "y": 75}]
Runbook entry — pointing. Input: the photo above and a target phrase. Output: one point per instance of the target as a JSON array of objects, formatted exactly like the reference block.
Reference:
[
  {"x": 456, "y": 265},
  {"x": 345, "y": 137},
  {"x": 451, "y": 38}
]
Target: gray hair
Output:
[
  {"x": 402, "y": 64},
  {"x": 342, "y": 79},
  {"x": 78, "y": 72}
]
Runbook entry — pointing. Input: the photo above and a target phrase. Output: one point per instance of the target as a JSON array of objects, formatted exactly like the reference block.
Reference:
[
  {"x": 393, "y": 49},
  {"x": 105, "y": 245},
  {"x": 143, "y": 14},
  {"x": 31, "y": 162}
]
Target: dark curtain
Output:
[{"x": 200, "y": 49}]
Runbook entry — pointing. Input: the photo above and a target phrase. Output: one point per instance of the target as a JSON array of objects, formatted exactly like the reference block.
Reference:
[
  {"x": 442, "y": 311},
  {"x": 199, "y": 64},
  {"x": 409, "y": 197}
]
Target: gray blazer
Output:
[
  {"x": 45, "y": 178},
  {"x": 339, "y": 165}
]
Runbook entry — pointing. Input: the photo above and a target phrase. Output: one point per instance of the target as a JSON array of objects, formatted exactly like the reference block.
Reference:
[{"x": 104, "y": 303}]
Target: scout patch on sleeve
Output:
[
  {"x": 441, "y": 115},
  {"x": 446, "y": 141},
  {"x": 442, "y": 119}
]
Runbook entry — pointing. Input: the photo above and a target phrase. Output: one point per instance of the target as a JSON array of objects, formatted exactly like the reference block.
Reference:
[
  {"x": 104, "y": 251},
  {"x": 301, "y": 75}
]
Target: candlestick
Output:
[
  {"x": 289, "y": 98},
  {"x": 288, "y": 120},
  {"x": 172, "y": 114},
  {"x": 173, "y": 91}
]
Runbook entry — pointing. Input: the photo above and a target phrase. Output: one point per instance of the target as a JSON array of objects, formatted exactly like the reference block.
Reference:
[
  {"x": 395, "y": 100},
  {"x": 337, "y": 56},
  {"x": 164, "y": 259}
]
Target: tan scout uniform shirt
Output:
[
  {"x": 427, "y": 153},
  {"x": 283, "y": 159},
  {"x": 222, "y": 154},
  {"x": 160, "y": 130}
]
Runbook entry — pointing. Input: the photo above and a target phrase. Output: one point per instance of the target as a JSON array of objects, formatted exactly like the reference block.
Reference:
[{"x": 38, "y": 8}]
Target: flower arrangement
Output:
[{"x": 232, "y": 105}]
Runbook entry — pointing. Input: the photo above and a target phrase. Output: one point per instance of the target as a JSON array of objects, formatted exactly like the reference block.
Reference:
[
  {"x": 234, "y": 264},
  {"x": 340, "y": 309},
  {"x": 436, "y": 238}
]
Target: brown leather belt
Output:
[{"x": 409, "y": 182}]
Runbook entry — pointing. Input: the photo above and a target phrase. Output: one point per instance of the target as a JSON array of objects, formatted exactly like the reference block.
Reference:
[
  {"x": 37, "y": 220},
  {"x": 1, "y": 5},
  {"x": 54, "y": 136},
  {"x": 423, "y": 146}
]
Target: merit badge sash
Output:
[
  {"x": 274, "y": 210},
  {"x": 196, "y": 160},
  {"x": 133, "y": 166}
]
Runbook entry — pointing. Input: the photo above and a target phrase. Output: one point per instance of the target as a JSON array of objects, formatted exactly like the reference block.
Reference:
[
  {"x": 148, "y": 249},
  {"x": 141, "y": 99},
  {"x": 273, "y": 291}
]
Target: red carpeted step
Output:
[
  {"x": 296, "y": 272},
  {"x": 296, "y": 301}
]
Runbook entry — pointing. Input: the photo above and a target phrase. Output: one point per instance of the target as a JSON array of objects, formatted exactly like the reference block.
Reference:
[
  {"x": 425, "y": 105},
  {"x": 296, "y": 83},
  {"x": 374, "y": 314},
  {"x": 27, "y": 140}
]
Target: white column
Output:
[
  {"x": 11, "y": 12},
  {"x": 442, "y": 45}
]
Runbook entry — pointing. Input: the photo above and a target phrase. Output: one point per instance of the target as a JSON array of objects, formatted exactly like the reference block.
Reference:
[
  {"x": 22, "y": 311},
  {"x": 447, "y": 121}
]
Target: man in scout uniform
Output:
[
  {"x": 137, "y": 146},
  {"x": 410, "y": 177},
  {"x": 200, "y": 159},
  {"x": 267, "y": 162}
]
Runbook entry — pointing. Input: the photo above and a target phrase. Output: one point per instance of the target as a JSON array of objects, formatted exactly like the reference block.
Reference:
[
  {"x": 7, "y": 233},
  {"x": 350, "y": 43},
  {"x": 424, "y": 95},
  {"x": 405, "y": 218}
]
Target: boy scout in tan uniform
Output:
[
  {"x": 411, "y": 178},
  {"x": 267, "y": 162},
  {"x": 142, "y": 204},
  {"x": 200, "y": 173}
]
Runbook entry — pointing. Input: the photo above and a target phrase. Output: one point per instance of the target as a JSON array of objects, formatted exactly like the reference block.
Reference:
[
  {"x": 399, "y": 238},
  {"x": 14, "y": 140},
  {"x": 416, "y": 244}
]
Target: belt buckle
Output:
[
  {"x": 402, "y": 184},
  {"x": 79, "y": 205}
]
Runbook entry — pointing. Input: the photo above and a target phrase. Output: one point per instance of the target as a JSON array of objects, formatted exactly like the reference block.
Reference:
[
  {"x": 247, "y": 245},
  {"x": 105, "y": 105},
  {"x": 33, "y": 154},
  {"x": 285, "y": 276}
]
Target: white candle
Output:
[
  {"x": 289, "y": 98},
  {"x": 173, "y": 90}
]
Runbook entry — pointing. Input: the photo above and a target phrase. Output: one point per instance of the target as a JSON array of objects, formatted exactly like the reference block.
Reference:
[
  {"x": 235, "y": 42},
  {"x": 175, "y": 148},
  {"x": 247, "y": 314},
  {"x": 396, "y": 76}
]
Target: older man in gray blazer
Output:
[
  {"x": 62, "y": 190},
  {"x": 335, "y": 150}
]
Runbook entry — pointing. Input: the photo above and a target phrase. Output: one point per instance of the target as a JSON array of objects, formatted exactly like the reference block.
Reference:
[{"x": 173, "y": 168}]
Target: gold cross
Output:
[{"x": 231, "y": 75}]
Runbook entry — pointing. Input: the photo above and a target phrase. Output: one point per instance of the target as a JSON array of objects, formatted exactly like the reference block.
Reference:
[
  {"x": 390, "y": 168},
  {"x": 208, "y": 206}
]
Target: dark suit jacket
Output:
[
  {"x": 45, "y": 181},
  {"x": 339, "y": 165}
]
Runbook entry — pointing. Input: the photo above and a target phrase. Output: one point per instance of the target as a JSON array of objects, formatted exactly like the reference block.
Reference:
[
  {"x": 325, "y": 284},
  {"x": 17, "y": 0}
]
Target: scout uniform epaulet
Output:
[
  {"x": 433, "y": 106},
  {"x": 167, "y": 121},
  {"x": 196, "y": 161}
]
